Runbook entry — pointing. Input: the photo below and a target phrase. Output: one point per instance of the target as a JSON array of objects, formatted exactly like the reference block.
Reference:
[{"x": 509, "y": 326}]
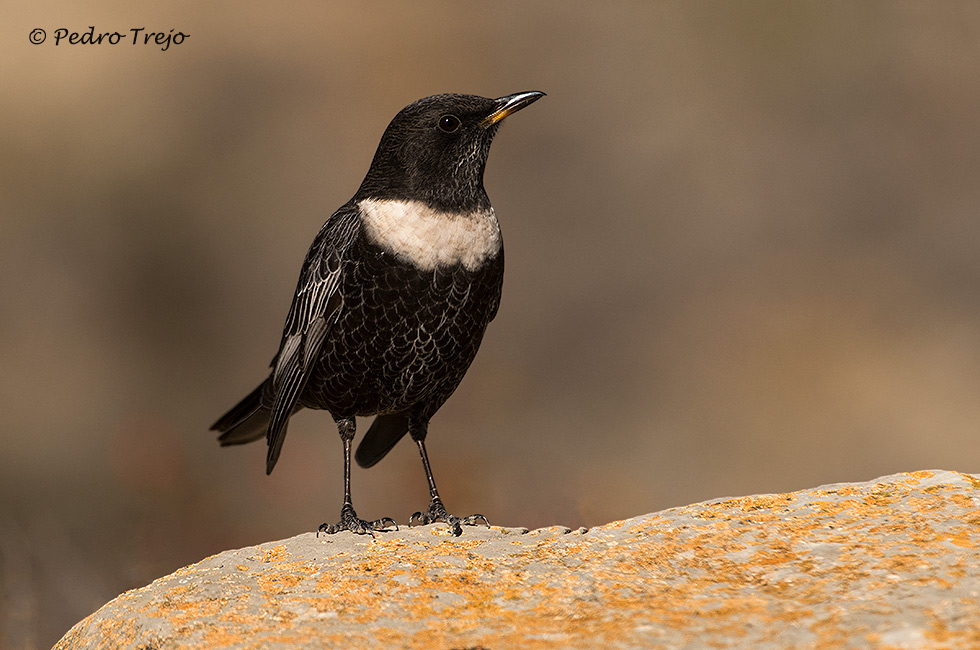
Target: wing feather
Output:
[{"x": 316, "y": 306}]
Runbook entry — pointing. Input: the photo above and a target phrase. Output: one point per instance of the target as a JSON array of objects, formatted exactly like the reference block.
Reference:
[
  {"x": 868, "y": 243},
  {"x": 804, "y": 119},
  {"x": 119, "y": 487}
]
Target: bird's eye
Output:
[{"x": 448, "y": 123}]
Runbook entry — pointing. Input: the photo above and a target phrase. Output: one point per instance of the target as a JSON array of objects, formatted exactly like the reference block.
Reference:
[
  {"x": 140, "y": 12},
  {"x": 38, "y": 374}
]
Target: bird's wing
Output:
[
  {"x": 496, "y": 303},
  {"x": 316, "y": 306}
]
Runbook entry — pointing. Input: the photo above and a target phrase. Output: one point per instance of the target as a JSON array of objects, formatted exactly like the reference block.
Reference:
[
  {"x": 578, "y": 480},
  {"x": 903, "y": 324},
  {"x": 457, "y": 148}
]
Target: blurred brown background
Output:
[{"x": 742, "y": 244}]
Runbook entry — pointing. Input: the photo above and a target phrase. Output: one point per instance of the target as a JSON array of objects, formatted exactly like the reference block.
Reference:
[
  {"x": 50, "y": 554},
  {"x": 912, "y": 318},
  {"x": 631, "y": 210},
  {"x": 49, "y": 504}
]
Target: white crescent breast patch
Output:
[{"x": 430, "y": 238}]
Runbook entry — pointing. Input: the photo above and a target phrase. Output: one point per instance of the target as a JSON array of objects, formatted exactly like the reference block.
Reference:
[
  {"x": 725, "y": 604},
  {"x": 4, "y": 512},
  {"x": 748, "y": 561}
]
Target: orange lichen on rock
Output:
[{"x": 890, "y": 563}]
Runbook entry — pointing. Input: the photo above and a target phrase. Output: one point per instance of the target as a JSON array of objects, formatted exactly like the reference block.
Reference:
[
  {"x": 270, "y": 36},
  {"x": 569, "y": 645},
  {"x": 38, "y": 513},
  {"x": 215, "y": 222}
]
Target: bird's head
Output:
[{"x": 435, "y": 150}]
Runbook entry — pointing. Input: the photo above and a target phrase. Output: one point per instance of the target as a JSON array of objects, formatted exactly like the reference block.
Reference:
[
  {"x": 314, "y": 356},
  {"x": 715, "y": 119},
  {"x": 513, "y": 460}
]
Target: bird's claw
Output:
[
  {"x": 437, "y": 512},
  {"x": 350, "y": 521}
]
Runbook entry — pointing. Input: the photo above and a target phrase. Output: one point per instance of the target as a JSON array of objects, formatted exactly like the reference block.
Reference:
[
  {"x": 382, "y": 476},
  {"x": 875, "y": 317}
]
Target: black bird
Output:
[{"x": 394, "y": 296}]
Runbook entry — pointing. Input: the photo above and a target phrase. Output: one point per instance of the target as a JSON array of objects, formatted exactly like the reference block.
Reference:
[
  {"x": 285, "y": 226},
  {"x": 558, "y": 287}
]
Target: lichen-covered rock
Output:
[{"x": 892, "y": 563}]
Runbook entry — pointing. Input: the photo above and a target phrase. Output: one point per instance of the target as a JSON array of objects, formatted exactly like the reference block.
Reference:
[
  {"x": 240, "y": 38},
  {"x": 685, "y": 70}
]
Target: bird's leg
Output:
[
  {"x": 348, "y": 518},
  {"x": 436, "y": 510}
]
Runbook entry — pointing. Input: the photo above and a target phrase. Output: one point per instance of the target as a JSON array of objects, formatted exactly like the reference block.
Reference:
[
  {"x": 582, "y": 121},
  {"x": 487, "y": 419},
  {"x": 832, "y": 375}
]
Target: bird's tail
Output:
[
  {"x": 246, "y": 421},
  {"x": 385, "y": 432}
]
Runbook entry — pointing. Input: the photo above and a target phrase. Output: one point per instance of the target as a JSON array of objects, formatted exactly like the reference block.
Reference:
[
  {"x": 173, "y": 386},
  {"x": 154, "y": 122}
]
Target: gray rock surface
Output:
[{"x": 891, "y": 563}]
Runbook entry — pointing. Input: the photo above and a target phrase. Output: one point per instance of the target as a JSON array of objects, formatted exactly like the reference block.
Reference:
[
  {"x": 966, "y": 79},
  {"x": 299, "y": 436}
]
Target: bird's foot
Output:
[
  {"x": 350, "y": 521},
  {"x": 437, "y": 512}
]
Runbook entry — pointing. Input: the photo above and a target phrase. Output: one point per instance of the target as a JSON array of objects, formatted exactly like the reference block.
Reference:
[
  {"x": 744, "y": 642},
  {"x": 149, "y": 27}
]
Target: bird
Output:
[{"x": 393, "y": 298}]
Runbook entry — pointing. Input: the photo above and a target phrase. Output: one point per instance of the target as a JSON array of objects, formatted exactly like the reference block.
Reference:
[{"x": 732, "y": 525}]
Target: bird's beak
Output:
[{"x": 510, "y": 104}]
